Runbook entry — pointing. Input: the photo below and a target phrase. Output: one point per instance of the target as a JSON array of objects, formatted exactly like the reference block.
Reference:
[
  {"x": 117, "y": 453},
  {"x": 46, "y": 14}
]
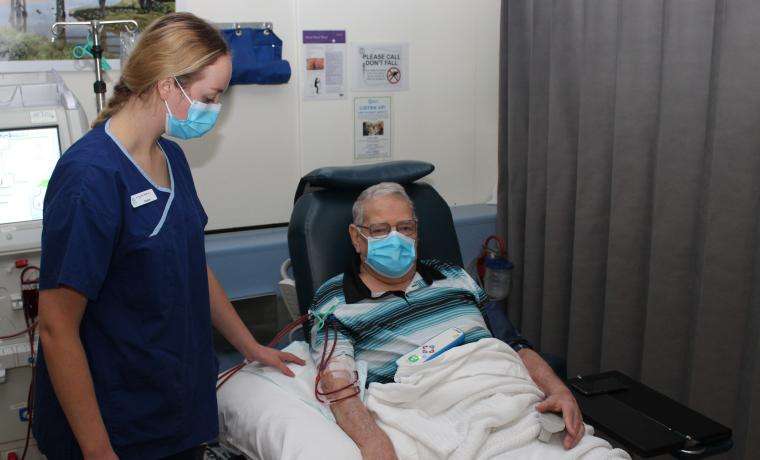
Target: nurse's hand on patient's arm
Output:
[
  {"x": 60, "y": 313},
  {"x": 559, "y": 398},
  {"x": 228, "y": 323},
  {"x": 275, "y": 358}
]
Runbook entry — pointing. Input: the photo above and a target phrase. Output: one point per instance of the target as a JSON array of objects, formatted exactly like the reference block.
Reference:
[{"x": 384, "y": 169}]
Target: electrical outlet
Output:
[
  {"x": 8, "y": 358},
  {"x": 16, "y": 354},
  {"x": 23, "y": 353},
  {"x": 17, "y": 303}
]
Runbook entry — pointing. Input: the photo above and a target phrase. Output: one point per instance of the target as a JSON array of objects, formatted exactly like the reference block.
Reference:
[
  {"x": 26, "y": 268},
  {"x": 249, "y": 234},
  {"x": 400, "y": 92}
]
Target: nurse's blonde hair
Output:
[{"x": 177, "y": 44}]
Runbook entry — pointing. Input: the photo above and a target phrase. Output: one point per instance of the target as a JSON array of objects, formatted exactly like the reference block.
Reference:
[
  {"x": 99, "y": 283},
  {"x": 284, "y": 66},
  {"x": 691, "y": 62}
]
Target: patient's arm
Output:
[
  {"x": 558, "y": 396},
  {"x": 354, "y": 418},
  {"x": 350, "y": 413}
]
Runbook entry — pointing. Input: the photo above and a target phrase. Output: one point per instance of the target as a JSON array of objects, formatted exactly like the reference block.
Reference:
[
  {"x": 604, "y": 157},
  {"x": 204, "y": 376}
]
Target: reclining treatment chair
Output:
[
  {"x": 318, "y": 240},
  {"x": 320, "y": 248}
]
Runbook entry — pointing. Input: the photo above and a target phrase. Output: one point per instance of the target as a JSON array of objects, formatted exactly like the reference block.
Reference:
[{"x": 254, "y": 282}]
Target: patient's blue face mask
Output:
[
  {"x": 391, "y": 256},
  {"x": 200, "y": 118}
]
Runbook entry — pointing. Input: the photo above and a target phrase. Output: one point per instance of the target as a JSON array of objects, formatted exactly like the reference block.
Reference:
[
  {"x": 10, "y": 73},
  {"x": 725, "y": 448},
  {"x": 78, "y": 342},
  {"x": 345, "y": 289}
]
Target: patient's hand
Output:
[
  {"x": 562, "y": 401},
  {"x": 275, "y": 358},
  {"x": 559, "y": 399}
]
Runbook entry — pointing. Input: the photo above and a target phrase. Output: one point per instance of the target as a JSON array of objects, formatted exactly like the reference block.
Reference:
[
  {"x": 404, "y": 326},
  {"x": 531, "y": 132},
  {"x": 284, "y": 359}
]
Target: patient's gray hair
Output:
[{"x": 377, "y": 191}]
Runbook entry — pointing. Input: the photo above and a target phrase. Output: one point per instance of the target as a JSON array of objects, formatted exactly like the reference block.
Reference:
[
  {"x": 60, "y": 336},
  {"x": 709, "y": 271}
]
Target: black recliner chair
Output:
[
  {"x": 318, "y": 240},
  {"x": 320, "y": 248}
]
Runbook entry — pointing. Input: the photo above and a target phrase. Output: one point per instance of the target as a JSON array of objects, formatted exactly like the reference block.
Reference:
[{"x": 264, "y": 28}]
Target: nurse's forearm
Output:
[
  {"x": 226, "y": 320},
  {"x": 61, "y": 312}
]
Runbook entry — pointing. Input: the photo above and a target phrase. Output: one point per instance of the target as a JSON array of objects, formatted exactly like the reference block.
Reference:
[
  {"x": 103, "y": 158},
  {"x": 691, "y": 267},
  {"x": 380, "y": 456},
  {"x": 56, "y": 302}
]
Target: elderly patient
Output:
[{"x": 389, "y": 303}]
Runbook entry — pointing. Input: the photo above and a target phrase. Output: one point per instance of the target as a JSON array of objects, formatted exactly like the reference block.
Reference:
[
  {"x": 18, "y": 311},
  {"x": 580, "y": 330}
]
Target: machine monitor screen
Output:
[{"x": 27, "y": 159}]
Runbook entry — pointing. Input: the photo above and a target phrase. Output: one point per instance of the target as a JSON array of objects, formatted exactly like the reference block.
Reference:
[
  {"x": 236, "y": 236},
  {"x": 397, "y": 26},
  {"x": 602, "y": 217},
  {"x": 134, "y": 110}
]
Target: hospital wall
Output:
[{"x": 246, "y": 171}]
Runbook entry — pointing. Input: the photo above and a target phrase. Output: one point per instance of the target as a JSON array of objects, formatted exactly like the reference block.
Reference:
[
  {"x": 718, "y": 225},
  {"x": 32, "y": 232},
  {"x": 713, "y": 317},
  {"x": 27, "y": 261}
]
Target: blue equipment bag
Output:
[{"x": 256, "y": 57}]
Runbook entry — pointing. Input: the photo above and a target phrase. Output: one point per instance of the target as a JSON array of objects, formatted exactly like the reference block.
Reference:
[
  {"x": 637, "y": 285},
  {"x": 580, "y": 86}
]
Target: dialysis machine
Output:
[{"x": 39, "y": 119}]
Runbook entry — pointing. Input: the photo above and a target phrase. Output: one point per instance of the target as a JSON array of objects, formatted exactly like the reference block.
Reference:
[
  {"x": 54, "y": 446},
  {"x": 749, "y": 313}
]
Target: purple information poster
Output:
[{"x": 324, "y": 69}]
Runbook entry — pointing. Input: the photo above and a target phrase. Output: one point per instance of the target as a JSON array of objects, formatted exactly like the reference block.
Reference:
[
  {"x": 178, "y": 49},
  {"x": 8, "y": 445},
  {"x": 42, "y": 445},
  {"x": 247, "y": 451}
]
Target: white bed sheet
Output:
[{"x": 265, "y": 415}]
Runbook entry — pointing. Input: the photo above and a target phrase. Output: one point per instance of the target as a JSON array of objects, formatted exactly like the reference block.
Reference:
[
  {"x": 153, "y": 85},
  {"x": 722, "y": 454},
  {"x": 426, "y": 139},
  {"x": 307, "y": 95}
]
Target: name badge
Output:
[{"x": 139, "y": 199}]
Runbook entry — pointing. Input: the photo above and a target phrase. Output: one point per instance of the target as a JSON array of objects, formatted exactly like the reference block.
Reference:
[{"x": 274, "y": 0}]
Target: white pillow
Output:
[{"x": 267, "y": 415}]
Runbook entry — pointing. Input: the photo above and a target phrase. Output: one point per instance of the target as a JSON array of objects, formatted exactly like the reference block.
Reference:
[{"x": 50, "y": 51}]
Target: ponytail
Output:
[{"x": 120, "y": 97}]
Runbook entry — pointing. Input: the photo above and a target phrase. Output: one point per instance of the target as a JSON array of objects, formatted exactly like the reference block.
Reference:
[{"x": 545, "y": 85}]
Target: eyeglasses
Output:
[{"x": 381, "y": 230}]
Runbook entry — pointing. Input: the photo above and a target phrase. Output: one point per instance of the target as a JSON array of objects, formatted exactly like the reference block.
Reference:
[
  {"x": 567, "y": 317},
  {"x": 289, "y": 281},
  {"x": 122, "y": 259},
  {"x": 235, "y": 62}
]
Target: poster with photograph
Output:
[
  {"x": 372, "y": 128},
  {"x": 324, "y": 54},
  {"x": 380, "y": 67}
]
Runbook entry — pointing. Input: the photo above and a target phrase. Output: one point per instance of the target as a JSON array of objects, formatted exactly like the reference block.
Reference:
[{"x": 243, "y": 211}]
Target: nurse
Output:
[{"x": 126, "y": 363}]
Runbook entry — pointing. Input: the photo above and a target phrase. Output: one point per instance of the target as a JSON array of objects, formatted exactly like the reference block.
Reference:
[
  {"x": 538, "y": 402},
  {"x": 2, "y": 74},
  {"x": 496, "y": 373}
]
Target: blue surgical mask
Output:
[
  {"x": 200, "y": 119},
  {"x": 391, "y": 256}
]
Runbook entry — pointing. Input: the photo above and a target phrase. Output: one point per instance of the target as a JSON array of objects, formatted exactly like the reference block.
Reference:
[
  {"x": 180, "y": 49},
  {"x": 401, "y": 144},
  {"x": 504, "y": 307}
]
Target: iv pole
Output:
[{"x": 96, "y": 27}]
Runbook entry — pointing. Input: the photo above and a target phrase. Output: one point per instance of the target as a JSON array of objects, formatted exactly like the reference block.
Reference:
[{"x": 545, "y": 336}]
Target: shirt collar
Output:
[{"x": 354, "y": 289}]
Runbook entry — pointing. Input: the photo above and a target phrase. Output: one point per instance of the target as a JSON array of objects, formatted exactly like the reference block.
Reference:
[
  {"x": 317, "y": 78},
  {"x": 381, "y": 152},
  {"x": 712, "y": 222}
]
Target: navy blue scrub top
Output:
[{"x": 146, "y": 330}]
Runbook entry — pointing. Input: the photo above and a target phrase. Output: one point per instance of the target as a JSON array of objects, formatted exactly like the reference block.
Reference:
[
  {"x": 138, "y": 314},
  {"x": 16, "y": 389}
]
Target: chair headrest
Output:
[{"x": 363, "y": 176}]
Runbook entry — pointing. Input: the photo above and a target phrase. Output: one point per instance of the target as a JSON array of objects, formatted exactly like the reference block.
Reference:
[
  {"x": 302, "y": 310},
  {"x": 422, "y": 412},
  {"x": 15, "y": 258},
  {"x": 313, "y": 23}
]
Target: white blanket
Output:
[{"x": 475, "y": 401}]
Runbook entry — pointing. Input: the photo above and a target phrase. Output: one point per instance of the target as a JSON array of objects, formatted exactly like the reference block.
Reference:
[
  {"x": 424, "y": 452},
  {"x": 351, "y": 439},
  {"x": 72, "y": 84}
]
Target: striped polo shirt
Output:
[{"x": 378, "y": 328}]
